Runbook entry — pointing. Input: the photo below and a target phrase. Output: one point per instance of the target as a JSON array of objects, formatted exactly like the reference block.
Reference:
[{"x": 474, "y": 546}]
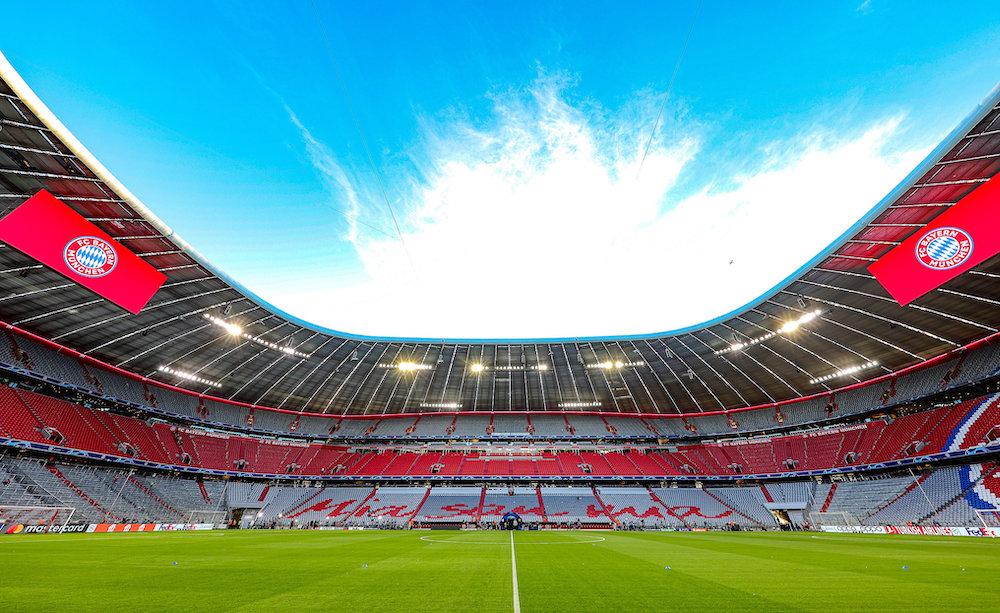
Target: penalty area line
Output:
[{"x": 513, "y": 572}]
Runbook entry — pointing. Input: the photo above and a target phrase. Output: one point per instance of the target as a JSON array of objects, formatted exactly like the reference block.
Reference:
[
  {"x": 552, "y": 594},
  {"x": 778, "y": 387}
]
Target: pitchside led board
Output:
[
  {"x": 962, "y": 237},
  {"x": 57, "y": 236}
]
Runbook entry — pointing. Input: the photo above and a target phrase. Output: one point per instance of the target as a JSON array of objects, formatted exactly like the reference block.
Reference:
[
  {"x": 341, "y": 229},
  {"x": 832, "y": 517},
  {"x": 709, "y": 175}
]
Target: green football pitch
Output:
[{"x": 496, "y": 571}]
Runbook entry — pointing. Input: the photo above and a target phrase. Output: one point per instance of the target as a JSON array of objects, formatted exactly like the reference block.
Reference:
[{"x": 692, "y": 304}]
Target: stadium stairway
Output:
[
  {"x": 766, "y": 493},
  {"x": 420, "y": 505},
  {"x": 73, "y": 487},
  {"x": 829, "y": 498},
  {"x": 204, "y": 492},
  {"x": 959, "y": 497},
  {"x": 19, "y": 490},
  {"x": 541, "y": 503},
  {"x": 479, "y": 508},
  {"x": 146, "y": 489},
  {"x": 666, "y": 509},
  {"x": 341, "y": 521},
  {"x": 302, "y": 503},
  {"x": 724, "y": 501},
  {"x": 906, "y": 491},
  {"x": 604, "y": 507}
]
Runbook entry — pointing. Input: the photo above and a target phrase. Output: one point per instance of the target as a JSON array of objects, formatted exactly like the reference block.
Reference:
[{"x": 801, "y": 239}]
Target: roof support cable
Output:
[
  {"x": 670, "y": 86},
  {"x": 296, "y": 365},
  {"x": 340, "y": 387},
  {"x": 819, "y": 335},
  {"x": 243, "y": 343},
  {"x": 416, "y": 377},
  {"x": 215, "y": 337},
  {"x": 175, "y": 337},
  {"x": 378, "y": 386},
  {"x": 692, "y": 374},
  {"x": 277, "y": 360},
  {"x": 860, "y": 333},
  {"x": 909, "y": 306},
  {"x": 258, "y": 351},
  {"x": 635, "y": 371},
  {"x": 642, "y": 381},
  {"x": 317, "y": 366},
  {"x": 149, "y": 308},
  {"x": 768, "y": 369},
  {"x": 880, "y": 318},
  {"x": 659, "y": 379},
  {"x": 322, "y": 385},
  {"x": 679, "y": 378},
  {"x": 726, "y": 359},
  {"x": 301, "y": 380},
  {"x": 355, "y": 120},
  {"x": 710, "y": 367}
]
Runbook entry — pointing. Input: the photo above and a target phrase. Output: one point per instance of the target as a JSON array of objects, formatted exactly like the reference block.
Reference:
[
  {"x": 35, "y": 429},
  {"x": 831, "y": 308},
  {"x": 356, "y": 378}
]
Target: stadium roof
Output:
[{"x": 205, "y": 324}]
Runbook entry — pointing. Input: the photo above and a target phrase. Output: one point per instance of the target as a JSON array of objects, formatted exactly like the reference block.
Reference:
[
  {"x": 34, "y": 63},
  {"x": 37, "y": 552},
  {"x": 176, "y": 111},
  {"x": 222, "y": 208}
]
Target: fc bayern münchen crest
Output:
[
  {"x": 944, "y": 248},
  {"x": 89, "y": 256}
]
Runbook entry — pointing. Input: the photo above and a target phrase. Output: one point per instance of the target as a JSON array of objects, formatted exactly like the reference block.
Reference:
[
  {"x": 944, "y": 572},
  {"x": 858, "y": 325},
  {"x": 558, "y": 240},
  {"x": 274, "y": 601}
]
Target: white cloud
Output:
[
  {"x": 336, "y": 180},
  {"x": 541, "y": 224}
]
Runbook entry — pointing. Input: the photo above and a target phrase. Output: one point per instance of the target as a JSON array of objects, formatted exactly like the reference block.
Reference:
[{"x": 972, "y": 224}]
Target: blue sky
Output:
[{"x": 542, "y": 180}]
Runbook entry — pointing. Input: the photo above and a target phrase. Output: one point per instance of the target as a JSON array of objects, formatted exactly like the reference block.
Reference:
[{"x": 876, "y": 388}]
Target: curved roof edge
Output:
[{"x": 49, "y": 119}]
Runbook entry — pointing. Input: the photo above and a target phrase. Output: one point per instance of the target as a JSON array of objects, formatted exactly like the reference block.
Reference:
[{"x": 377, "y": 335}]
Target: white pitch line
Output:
[
  {"x": 452, "y": 541},
  {"x": 513, "y": 572}
]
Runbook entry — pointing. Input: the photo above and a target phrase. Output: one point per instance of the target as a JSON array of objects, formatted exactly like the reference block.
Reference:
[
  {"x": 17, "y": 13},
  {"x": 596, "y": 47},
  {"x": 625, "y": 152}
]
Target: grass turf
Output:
[{"x": 471, "y": 571}]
